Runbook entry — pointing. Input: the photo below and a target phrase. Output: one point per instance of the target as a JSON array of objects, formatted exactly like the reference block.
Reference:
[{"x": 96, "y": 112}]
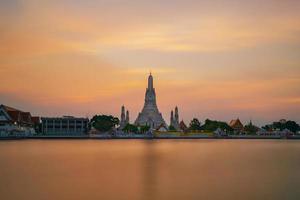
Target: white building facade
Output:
[{"x": 66, "y": 125}]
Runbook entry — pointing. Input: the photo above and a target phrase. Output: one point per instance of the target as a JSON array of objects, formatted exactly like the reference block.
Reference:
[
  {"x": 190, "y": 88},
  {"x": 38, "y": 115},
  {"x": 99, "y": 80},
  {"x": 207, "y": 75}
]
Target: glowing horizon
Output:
[{"x": 217, "y": 60}]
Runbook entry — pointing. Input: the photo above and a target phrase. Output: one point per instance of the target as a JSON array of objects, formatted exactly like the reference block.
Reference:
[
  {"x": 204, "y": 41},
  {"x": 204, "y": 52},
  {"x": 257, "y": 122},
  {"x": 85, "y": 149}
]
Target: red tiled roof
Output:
[
  {"x": 26, "y": 117},
  {"x": 18, "y": 115},
  {"x": 35, "y": 119},
  {"x": 7, "y": 108},
  {"x": 14, "y": 115},
  {"x": 236, "y": 123}
]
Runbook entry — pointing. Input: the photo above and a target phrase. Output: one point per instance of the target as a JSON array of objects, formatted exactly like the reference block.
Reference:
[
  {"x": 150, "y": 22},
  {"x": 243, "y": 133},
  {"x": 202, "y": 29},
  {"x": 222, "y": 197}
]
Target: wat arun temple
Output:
[{"x": 150, "y": 115}]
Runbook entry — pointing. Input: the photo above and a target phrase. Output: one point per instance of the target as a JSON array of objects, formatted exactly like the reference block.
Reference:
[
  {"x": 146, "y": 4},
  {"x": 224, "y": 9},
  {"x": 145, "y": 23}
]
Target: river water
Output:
[{"x": 149, "y": 169}]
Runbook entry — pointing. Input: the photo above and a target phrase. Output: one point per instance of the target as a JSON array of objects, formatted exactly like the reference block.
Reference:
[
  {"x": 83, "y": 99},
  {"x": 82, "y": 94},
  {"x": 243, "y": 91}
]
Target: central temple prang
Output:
[{"x": 150, "y": 114}]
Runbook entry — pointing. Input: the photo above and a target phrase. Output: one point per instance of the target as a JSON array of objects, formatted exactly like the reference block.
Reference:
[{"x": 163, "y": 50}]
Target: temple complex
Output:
[{"x": 150, "y": 114}]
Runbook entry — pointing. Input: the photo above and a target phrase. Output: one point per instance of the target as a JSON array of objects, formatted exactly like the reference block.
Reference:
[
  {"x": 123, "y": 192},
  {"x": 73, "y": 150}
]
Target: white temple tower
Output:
[
  {"x": 122, "y": 121},
  {"x": 124, "y": 117},
  {"x": 174, "y": 121},
  {"x": 150, "y": 114}
]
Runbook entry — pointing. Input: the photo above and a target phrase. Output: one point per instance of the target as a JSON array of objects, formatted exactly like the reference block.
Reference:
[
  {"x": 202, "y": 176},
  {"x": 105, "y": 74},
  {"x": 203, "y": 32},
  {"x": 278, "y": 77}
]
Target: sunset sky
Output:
[{"x": 214, "y": 59}]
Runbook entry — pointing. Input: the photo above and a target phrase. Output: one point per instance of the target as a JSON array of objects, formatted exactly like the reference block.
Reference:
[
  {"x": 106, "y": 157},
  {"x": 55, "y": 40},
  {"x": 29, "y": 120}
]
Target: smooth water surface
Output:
[{"x": 149, "y": 169}]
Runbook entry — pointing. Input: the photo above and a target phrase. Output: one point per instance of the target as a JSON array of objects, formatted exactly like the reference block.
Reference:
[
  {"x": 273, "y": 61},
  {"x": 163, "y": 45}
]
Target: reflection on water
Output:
[
  {"x": 149, "y": 169},
  {"x": 150, "y": 179}
]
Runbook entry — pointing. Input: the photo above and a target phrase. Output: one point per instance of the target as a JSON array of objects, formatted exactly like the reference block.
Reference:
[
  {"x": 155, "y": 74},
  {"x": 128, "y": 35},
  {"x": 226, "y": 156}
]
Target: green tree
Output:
[
  {"x": 250, "y": 129},
  {"x": 212, "y": 125},
  {"x": 172, "y": 128},
  {"x": 195, "y": 125},
  {"x": 144, "y": 129},
  {"x": 38, "y": 128},
  {"x": 290, "y": 125},
  {"x": 104, "y": 123},
  {"x": 130, "y": 128}
]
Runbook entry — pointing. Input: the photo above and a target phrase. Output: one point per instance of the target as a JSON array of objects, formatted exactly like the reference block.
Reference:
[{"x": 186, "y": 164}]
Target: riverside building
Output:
[
  {"x": 66, "y": 125},
  {"x": 15, "y": 122}
]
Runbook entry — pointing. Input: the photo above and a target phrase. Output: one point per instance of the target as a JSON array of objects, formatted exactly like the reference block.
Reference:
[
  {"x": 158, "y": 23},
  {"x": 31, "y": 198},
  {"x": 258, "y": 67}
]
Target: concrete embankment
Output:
[{"x": 144, "y": 137}]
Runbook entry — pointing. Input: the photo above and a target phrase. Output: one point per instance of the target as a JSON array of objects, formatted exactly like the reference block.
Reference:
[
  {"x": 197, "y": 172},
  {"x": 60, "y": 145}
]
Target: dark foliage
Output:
[
  {"x": 250, "y": 129},
  {"x": 144, "y": 129},
  {"x": 211, "y": 125},
  {"x": 130, "y": 128},
  {"x": 104, "y": 123},
  {"x": 172, "y": 128},
  {"x": 195, "y": 125},
  {"x": 290, "y": 125}
]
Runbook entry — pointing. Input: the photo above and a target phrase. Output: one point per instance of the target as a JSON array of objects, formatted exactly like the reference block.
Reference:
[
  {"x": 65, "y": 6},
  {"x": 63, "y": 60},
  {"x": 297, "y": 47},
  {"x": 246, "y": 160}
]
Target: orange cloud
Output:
[{"x": 96, "y": 57}]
